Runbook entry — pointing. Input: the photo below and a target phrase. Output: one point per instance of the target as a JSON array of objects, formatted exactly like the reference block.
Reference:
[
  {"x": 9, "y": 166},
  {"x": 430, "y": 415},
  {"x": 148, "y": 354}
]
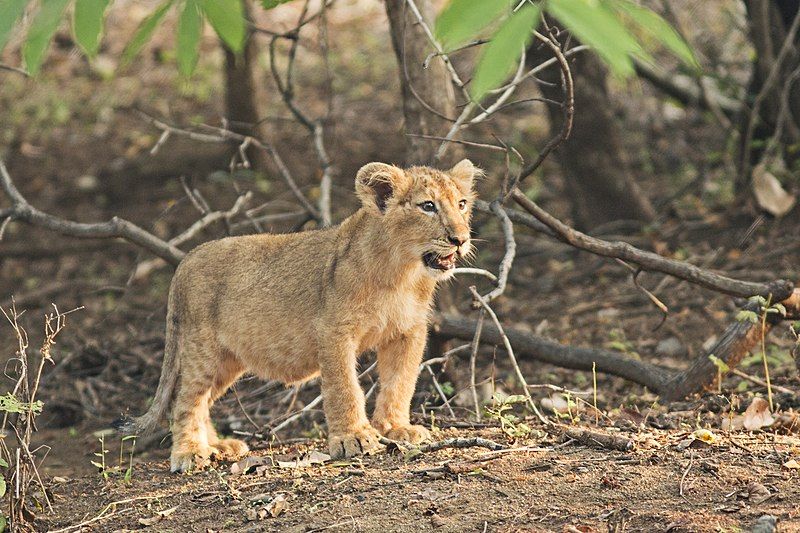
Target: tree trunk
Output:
[
  {"x": 597, "y": 174},
  {"x": 431, "y": 84},
  {"x": 774, "y": 89},
  {"x": 241, "y": 104}
]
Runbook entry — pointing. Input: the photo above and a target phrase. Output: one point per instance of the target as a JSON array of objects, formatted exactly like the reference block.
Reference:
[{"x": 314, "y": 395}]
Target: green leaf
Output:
[
  {"x": 596, "y": 26},
  {"x": 3, "y": 463},
  {"x": 499, "y": 56},
  {"x": 3, "y": 523},
  {"x": 145, "y": 31},
  {"x": 10, "y": 12},
  {"x": 269, "y": 4},
  {"x": 462, "y": 20},
  {"x": 87, "y": 24},
  {"x": 190, "y": 27},
  {"x": 653, "y": 25},
  {"x": 2, "y": 485},
  {"x": 515, "y": 398},
  {"x": 41, "y": 31},
  {"x": 227, "y": 19},
  {"x": 719, "y": 363},
  {"x": 745, "y": 315},
  {"x": 11, "y": 404}
]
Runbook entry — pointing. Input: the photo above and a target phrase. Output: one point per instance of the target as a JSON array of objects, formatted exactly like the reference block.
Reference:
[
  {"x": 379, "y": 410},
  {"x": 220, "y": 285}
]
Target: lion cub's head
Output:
[{"x": 425, "y": 212}]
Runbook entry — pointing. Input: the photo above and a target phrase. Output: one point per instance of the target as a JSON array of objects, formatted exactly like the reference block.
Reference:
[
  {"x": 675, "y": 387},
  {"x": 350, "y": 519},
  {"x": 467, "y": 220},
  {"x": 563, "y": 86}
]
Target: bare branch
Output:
[
  {"x": 117, "y": 227},
  {"x": 223, "y": 135},
  {"x": 779, "y": 289}
]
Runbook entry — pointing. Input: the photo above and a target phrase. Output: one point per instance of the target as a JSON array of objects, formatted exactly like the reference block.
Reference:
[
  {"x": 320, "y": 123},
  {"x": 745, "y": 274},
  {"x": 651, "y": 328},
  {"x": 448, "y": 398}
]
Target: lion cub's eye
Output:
[
  {"x": 462, "y": 205},
  {"x": 428, "y": 207}
]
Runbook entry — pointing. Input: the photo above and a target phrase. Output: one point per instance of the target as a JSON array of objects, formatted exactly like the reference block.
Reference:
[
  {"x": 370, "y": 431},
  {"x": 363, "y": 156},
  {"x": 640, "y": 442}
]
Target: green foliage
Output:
[
  {"x": 503, "y": 412},
  {"x": 747, "y": 316},
  {"x": 269, "y": 4},
  {"x": 616, "y": 29},
  {"x": 225, "y": 16},
  {"x": 145, "y": 31},
  {"x": 597, "y": 26},
  {"x": 721, "y": 365},
  {"x": 11, "y": 404},
  {"x": 462, "y": 20},
  {"x": 509, "y": 41},
  {"x": 40, "y": 33},
  {"x": 10, "y": 12},
  {"x": 87, "y": 24},
  {"x": 658, "y": 29},
  {"x": 227, "y": 19},
  {"x": 190, "y": 27}
]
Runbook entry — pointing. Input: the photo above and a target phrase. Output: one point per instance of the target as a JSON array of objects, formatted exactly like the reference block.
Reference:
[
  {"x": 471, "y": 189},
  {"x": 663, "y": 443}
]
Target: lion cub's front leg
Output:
[
  {"x": 349, "y": 430},
  {"x": 398, "y": 368}
]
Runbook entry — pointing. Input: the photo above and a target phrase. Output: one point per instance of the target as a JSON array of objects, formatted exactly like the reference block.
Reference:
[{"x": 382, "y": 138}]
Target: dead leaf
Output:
[
  {"x": 792, "y": 464},
  {"x": 757, "y": 415},
  {"x": 305, "y": 460},
  {"x": 757, "y": 493},
  {"x": 158, "y": 517},
  {"x": 769, "y": 193},
  {"x": 249, "y": 463},
  {"x": 278, "y": 505}
]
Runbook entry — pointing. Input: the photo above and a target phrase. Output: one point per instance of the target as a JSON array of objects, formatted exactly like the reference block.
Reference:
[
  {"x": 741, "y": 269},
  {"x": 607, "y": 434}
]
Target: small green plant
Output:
[
  {"x": 619, "y": 342},
  {"x": 124, "y": 467},
  {"x": 502, "y": 410},
  {"x": 765, "y": 308},
  {"x": 722, "y": 368},
  {"x": 101, "y": 464}
]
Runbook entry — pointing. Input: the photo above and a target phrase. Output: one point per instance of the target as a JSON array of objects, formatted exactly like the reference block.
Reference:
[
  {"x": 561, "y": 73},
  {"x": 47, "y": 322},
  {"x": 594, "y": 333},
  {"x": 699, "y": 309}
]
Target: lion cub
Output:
[{"x": 291, "y": 307}]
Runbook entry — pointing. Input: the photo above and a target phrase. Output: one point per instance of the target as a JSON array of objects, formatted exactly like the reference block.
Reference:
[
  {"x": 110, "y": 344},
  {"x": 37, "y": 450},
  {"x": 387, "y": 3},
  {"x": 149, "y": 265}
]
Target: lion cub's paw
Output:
[
  {"x": 230, "y": 449},
  {"x": 190, "y": 460},
  {"x": 346, "y": 445},
  {"x": 413, "y": 434}
]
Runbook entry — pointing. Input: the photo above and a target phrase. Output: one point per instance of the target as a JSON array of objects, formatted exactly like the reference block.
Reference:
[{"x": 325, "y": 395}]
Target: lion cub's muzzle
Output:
[{"x": 446, "y": 260}]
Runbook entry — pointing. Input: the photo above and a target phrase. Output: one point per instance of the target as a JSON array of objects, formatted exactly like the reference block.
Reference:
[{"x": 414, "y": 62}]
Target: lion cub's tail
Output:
[{"x": 170, "y": 370}]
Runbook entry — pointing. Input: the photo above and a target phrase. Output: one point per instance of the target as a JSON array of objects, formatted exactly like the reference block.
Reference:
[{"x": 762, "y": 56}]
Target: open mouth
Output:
[{"x": 439, "y": 262}]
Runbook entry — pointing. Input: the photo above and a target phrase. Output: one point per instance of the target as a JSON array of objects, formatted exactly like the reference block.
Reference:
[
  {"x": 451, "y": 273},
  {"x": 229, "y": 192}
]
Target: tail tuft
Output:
[{"x": 125, "y": 425}]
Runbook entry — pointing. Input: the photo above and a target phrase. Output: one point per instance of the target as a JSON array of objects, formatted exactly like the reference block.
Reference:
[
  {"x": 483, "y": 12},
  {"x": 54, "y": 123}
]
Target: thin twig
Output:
[{"x": 510, "y": 352}]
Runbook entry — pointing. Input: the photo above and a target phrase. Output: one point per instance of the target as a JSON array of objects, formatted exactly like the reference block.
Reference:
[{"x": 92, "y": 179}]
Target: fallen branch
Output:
[
  {"x": 601, "y": 440},
  {"x": 460, "y": 442},
  {"x": 739, "y": 338},
  {"x": 777, "y": 290},
  {"x": 737, "y": 341},
  {"x": 652, "y": 376}
]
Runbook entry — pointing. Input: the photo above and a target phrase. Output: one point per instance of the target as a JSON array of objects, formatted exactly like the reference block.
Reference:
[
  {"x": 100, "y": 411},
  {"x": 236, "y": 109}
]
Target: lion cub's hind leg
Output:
[
  {"x": 227, "y": 449},
  {"x": 204, "y": 376}
]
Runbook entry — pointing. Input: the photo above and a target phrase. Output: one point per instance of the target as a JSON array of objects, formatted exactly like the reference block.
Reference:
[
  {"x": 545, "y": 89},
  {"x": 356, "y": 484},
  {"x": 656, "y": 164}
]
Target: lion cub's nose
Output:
[{"x": 457, "y": 240}]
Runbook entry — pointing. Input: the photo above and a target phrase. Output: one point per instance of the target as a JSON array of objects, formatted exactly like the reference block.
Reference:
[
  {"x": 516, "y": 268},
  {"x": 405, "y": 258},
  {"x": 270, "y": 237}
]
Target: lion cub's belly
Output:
[{"x": 286, "y": 354}]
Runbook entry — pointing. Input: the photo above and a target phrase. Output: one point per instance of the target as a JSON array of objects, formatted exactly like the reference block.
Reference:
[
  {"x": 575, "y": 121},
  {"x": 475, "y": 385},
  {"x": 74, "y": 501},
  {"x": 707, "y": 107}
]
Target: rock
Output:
[
  {"x": 766, "y": 524},
  {"x": 671, "y": 347}
]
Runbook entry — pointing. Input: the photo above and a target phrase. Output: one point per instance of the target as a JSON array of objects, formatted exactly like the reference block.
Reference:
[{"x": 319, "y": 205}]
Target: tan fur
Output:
[{"x": 291, "y": 307}]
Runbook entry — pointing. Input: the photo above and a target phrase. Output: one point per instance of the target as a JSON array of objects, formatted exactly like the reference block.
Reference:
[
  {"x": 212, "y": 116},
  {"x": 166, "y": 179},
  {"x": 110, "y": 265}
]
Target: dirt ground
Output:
[
  {"x": 74, "y": 150},
  {"x": 537, "y": 485}
]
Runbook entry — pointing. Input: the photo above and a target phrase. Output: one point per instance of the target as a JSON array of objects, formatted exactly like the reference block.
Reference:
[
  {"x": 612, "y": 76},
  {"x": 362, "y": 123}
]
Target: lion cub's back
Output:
[{"x": 254, "y": 293}]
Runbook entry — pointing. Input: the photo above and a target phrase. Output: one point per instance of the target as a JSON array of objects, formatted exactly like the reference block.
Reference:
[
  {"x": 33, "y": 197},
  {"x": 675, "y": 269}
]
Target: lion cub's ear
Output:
[
  {"x": 377, "y": 182},
  {"x": 464, "y": 172}
]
